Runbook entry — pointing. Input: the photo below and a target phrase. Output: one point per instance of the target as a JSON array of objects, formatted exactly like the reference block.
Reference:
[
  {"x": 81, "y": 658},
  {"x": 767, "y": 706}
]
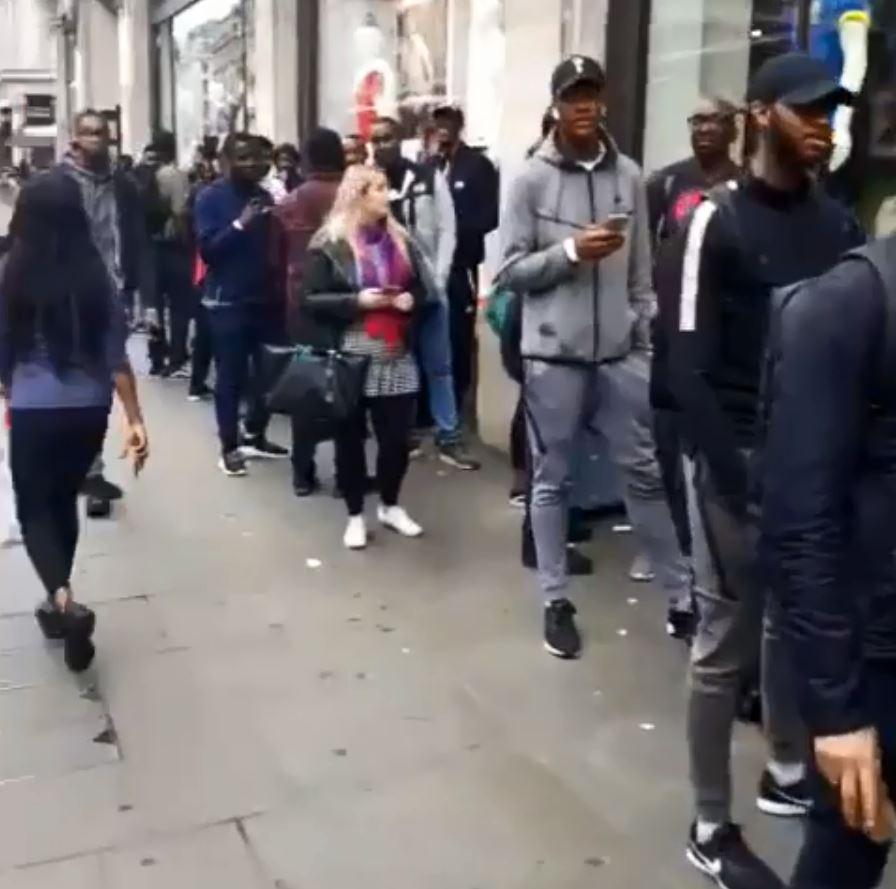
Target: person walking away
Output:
[
  {"x": 772, "y": 230},
  {"x": 295, "y": 222},
  {"x": 421, "y": 202},
  {"x": 112, "y": 205},
  {"x": 171, "y": 246},
  {"x": 232, "y": 220},
  {"x": 62, "y": 349},
  {"x": 473, "y": 182},
  {"x": 673, "y": 193},
  {"x": 365, "y": 282},
  {"x": 583, "y": 268},
  {"x": 829, "y": 513}
]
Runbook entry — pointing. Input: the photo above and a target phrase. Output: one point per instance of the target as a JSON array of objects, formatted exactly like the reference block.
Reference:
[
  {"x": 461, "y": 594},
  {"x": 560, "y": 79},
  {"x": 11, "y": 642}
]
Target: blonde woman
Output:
[{"x": 364, "y": 284}]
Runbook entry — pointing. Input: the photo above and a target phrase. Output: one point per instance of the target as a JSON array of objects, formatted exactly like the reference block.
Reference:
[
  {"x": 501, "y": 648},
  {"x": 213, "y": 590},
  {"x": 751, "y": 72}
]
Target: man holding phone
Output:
[
  {"x": 232, "y": 219},
  {"x": 577, "y": 248}
]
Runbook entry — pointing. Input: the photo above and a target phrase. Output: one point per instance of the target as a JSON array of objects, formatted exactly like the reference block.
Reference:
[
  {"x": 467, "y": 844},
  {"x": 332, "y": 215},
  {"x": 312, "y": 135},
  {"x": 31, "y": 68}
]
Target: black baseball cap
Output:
[
  {"x": 449, "y": 110},
  {"x": 797, "y": 79},
  {"x": 576, "y": 69}
]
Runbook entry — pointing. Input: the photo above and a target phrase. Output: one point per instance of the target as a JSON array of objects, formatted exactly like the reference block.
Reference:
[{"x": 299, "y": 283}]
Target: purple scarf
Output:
[{"x": 382, "y": 264}]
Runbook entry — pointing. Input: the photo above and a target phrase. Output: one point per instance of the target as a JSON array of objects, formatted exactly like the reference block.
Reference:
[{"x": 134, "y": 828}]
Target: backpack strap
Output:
[{"x": 881, "y": 256}]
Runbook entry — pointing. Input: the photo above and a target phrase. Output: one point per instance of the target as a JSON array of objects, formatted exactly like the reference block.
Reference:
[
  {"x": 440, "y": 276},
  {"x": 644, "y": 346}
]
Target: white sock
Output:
[
  {"x": 705, "y": 830},
  {"x": 787, "y": 773}
]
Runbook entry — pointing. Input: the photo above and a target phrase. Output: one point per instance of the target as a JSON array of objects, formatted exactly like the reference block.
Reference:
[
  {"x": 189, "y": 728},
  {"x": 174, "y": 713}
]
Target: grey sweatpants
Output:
[
  {"x": 560, "y": 399},
  {"x": 739, "y": 631}
]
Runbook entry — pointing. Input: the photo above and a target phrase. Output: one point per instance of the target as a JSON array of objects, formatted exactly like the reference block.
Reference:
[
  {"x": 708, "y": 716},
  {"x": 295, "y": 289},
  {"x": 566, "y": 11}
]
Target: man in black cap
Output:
[
  {"x": 473, "y": 181},
  {"x": 576, "y": 243},
  {"x": 773, "y": 229}
]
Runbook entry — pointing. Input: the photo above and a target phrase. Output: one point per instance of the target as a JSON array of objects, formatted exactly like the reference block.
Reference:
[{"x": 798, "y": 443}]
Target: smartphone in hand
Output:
[{"x": 618, "y": 222}]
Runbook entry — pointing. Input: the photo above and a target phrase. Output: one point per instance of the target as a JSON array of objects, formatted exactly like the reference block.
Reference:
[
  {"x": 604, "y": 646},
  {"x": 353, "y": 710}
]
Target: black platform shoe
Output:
[
  {"x": 50, "y": 620},
  {"x": 80, "y": 623}
]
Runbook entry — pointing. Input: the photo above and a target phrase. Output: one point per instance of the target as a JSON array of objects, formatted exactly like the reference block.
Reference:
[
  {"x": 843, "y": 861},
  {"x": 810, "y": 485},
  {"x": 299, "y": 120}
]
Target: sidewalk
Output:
[{"x": 385, "y": 720}]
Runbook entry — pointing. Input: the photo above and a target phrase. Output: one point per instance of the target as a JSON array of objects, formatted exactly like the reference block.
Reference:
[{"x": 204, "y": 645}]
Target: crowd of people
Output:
[{"x": 722, "y": 324}]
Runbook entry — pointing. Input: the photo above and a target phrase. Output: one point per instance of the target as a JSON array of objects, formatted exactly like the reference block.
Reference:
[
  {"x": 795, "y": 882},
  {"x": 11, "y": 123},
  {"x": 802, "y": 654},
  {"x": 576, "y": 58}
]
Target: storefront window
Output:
[
  {"x": 711, "y": 49},
  {"x": 213, "y": 85},
  {"x": 382, "y": 57}
]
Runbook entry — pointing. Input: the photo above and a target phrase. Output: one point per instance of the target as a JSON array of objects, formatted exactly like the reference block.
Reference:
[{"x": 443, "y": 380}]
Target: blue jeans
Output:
[
  {"x": 434, "y": 357},
  {"x": 238, "y": 333}
]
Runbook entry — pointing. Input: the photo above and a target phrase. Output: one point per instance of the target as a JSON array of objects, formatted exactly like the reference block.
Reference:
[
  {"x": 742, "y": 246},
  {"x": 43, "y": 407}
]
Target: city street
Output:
[{"x": 269, "y": 710}]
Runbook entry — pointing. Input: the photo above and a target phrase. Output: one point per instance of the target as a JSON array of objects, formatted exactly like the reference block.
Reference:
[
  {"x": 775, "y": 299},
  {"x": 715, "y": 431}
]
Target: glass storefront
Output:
[
  {"x": 405, "y": 57},
  {"x": 382, "y": 57},
  {"x": 711, "y": 49},
  {"x": 206, "y": 72}
]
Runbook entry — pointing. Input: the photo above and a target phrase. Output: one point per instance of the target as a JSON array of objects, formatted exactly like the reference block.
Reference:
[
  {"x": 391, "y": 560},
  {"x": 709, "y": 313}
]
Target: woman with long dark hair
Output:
[{"x": 62, "y": 351}]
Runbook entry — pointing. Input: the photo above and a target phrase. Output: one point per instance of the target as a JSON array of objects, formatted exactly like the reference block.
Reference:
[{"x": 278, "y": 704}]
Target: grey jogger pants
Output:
[
  {"x": 559, "y": 400},
  {"x": 739, "y": 626}
]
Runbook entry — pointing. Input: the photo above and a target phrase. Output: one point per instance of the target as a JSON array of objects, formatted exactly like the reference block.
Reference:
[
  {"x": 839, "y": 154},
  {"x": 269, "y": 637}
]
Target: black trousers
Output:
[
  {"x": 391, "y": 417},
  {"x": 304, "y": 448},
  {"x": 519, "y": 442},
  {"x": 462, "y": 328},
  {"x": 202, "y": 350},
  {"x": 176, "y": 298},
  {"x": 833, "y": 856},
  {"x": 50, "y": 453},
  {"x": 670, "y": 456}
]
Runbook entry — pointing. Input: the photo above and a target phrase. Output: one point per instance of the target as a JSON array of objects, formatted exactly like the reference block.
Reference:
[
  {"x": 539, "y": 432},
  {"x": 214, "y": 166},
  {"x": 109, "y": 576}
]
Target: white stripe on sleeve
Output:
[{"x": 690, "y": 278}]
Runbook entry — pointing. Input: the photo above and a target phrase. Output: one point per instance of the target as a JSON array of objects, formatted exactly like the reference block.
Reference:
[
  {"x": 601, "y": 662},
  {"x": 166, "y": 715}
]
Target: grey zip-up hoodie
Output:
[{"x": 578, "y": 312}]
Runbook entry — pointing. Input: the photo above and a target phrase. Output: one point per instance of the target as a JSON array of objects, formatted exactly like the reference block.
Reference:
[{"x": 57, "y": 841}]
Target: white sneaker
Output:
[
  {"x": 396, "y": 519},
  {"x": 355, "y": 536},
  {"x": 641, "y": 570}
]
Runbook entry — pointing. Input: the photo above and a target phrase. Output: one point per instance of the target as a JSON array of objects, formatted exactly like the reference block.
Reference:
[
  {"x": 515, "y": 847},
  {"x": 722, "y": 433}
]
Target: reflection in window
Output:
[{"x": 213, "y": 84}]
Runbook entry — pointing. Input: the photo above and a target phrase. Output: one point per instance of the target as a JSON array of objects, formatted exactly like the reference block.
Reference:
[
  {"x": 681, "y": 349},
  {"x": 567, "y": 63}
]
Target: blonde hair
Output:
[{"x": 344, "y": 219}]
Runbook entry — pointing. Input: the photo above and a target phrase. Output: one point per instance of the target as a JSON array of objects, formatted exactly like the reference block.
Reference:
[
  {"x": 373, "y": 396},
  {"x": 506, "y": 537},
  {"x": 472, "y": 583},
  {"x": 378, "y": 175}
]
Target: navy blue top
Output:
[
  {"x": 36, "y": 385},
  {"x": 239, "y": 264}
]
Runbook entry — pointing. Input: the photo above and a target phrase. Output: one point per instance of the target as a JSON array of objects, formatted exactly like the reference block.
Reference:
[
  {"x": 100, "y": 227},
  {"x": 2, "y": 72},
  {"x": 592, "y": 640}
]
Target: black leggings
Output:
[
  {"x": 391, "y": 416},
  {"x": 51, "y": 451}
]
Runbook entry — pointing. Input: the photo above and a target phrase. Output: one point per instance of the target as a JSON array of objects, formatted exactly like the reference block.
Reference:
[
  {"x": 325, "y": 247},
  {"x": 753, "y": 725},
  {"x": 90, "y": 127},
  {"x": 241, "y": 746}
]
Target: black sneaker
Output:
[
  {"x": 783, "y": 800},
  {"x": 233, "y": 464},
  {"x": 727, "y": 860},
  {"x": 305, "y": 487},
  {"x": 455, "y": 454},
  {"x": 561, "y": 636},
  {"x": 681, "y": 624},
  {"x": 98, "y": 507},
  {"x": 199, "y": 393},
  {"x": 50, "y": 620},
  {"x": 99, "y": 487},
  {"x": 258, "y": 446}
]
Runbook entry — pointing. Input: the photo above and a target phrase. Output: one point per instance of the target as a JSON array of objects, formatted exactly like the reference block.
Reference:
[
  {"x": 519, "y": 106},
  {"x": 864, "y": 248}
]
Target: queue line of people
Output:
[{"x": 765, "y": 512}]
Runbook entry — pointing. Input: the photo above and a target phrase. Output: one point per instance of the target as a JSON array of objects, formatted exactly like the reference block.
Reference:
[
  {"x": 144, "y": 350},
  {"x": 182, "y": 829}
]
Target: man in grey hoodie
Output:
[
  {"x": 576, "y": 242},
  {"x": 112, "y": 206}
]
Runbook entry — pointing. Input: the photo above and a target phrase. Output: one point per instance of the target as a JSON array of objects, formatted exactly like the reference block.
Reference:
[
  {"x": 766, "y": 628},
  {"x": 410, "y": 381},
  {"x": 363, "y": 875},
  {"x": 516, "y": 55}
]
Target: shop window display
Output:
[
  {"x": 213, "y": 44},
  {"x": 711, "y": 49},
  {"x": 382, "y": 57}
]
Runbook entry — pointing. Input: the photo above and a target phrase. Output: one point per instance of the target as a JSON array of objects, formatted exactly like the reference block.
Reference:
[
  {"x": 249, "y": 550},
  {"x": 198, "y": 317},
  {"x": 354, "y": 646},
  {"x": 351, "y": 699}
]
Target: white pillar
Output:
[
  {"x": 276, "y": 68},
  {"x": 134, "y": 74}
]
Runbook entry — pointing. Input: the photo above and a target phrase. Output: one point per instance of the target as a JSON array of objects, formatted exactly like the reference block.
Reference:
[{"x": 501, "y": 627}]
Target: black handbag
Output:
[{"x": 319, "y": 388}]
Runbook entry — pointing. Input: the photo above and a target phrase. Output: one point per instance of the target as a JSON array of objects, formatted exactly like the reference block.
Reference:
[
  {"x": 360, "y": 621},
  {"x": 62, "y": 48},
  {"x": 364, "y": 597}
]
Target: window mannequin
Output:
[{"x": 839, "y": 32}]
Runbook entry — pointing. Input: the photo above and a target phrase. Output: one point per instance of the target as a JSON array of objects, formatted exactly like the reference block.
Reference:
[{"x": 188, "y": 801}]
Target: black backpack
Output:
[{"x": 156, "y": 210}]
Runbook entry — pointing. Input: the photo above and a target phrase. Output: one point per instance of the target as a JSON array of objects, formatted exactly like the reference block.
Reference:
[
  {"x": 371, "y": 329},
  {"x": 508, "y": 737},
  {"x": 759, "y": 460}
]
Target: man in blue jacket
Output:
[
  {"x": 829, "y": 533},
  {"x": 233, "y": 230}
]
